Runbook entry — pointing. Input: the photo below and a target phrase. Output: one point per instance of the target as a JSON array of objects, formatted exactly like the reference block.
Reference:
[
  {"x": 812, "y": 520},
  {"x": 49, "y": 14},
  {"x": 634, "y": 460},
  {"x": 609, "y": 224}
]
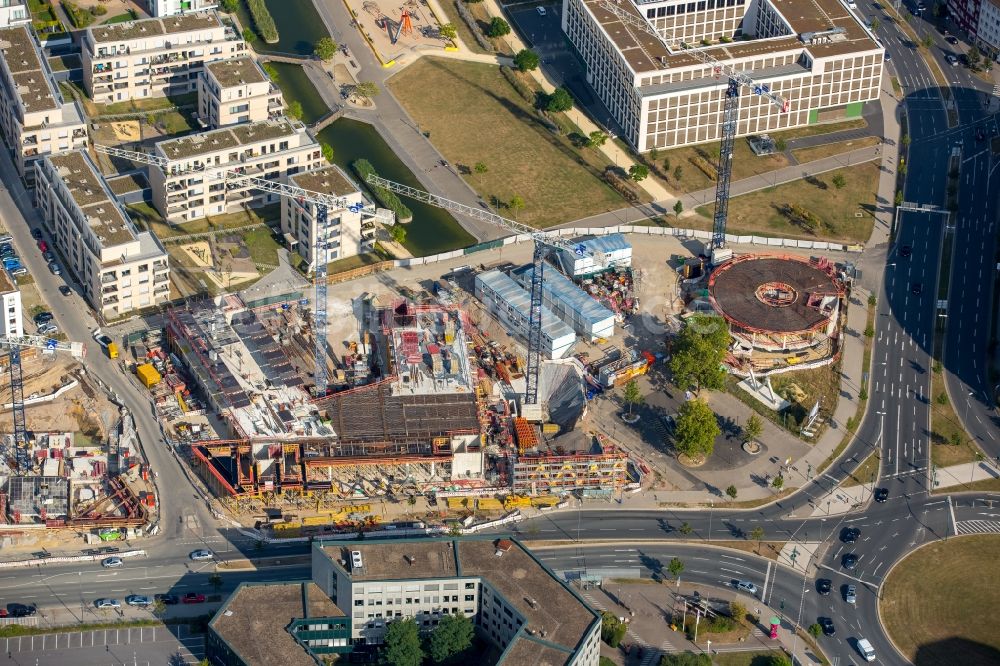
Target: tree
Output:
[
  {"x": 779, "y": 660},
  {"x": 737, "y": 611},
  {"x": 898, "y": 199},
  {"x": 497, "y": 27},
  {"x": 974, "y": 56},
  {"x": 696, "y": 429},
  {"x": 699, "y": 351},
  {"x": 516, "y": 203},
  {"x": 559, "y": 100},
  {"x": 927, "y": 41},
  {"x": 839, "y": 181},
  {"x": 869, "y": 331},
  {"x": 905, "y": 141},
  {"x": 402, "y": 644},
  {"x": 632, "y": 395},
  {"x": 327, "y": 151},
  {"x": 875, "y": 24},
  {"x": 325, "y": 49},
  {"x": 271, "y": 72},
  {"x": 752, "y": 428},
  {"x": 732, "y": 492},
  {"x": 613, "y": 630},
  {"x": 678, "y": 206},
  {"x": 676, "y": 568},
  {"x": 366, "y": 89},
  {"x": 159, "y": 608},
  {"x": 230, "y": 6},
  {"x": 638, "y": 172},
  {"x": 815, "y": 629},
  {"x": 526, "y": 60},
  {"x": 778, "y": 482},
  {"x": 481, "y": 169},
  {"x": 596, "y": 139},
  {"x": 757, "y": 534},
  {"x": 685, "y": 528},
  {"x": 780, "y": 145},
  {"x": 685, "y": 659},
  {"x": 666, "y": 164},
  {"x": 215, "y": 580},
  {"x": 294, "y": 110},
  {"x": 448, "y": 31},
  {"x": 397, "y": 232},
  {"x": 452, "y": 636},
  {"x": 678, "y": 172}
]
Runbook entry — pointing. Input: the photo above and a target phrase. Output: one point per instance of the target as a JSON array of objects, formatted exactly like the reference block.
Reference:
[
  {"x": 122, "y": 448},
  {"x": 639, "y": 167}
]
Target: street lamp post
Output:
[{"x": 710, "y": 506}]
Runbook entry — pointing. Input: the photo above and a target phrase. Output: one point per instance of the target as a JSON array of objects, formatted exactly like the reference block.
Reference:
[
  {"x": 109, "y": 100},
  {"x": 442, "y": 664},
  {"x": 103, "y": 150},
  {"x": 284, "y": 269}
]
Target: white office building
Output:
[
  {"x": 816, "y": 54},
  {"x": 510, "y": 304}
]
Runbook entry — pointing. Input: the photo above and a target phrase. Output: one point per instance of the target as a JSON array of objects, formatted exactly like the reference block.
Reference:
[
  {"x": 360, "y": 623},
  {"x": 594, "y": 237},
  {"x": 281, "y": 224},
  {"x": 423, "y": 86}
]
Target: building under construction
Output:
[{"x": 571, "y": 463}]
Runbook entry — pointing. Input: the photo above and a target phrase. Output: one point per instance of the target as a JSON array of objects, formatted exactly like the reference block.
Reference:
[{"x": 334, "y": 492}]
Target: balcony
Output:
[
  {"x": 30, "y": 141},
  {"x": 160, "y": 265},
  {"x": 108, "y": 278},
  {"x": 110, "y": 300},
  {"x": 274, "y": 105},
  {"x": 110, "y": 290},
  {"x": 102, "y": 67},
  {"x": 176, "y": 199},
  {"x": 160, "y": 278},
  {"x": 79, "y": 134},
  {"x": 162, "y": 289}
]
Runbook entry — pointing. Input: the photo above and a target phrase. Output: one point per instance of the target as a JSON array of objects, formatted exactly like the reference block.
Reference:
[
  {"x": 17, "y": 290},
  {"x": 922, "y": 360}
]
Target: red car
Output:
[
  {"x": 194, "y": 598},
  {"x": 43, "y": 246}
]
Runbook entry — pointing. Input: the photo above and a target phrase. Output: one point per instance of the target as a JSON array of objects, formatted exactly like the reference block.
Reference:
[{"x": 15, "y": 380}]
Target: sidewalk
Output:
[{"x": 960, "y": 475}]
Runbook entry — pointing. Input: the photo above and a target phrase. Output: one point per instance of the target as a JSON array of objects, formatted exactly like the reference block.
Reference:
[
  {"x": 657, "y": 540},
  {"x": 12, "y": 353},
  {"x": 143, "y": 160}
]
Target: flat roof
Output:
[
  {"x": 397, "y": 560},
  {"x": 736, "y": 289},
  {"x": 87, "y": 187},
  {"x": 526, "y": 651},
  {"x": 645, "y": 54},
  {"x": 153, "y": 27},
  {"x": 203, "y": 143},
  {"x": 30, "y": 73},
  {"x": 254, "y": 621},
  {"x": 564, "y": 290},
  {"x": 519, "y": 299},
  {"x": 236, "y": 72},
  {"x": 326, "y": 180}
]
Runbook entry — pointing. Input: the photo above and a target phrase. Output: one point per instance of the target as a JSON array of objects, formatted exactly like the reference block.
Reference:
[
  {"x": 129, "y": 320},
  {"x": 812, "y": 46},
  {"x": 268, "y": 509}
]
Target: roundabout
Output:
[{"x": 935, "y": 603}]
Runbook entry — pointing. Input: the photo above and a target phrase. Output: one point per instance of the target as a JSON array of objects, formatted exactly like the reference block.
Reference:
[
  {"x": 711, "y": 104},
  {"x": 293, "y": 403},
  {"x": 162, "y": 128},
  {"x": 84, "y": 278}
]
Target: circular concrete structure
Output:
[{"x": 775, "y": 295}]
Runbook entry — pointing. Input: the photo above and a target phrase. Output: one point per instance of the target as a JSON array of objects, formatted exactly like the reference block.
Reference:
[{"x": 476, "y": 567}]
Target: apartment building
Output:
[
  {"x": 815, "y": 53},
  {"x": 191, "y": 183},
  {"x": 155, "y": 57},
  {"x": 12, "y": 321},
  {"x": 119, "y": 268},
  {"x": 347, "y": 234},
  {"x": 237, "y": 91},
  {"x": 14, "y": 12},
  {"x": 981, "y": 20},
  {"x": 358, "y": 588},
  {"x": 34, "y": 117},
  {"x": 162, "y": 8}
]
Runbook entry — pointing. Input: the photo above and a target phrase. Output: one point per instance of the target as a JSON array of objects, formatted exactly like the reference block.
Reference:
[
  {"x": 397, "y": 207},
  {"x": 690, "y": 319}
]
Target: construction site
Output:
[{"x": 77, "y": 464}]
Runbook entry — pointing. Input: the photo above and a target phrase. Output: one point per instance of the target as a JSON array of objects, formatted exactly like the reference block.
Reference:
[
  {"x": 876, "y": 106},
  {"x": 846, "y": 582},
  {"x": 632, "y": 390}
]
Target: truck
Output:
[{"x": 866, "y": 649}]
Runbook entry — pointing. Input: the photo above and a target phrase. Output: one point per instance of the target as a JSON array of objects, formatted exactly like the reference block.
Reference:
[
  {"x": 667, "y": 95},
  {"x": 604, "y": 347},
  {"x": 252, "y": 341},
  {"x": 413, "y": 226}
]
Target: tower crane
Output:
[
  {"x": 730, "y": 113},
  {"x": 14, "y": 346},
  {"x": 545, "y": 243},
  {"x": 324, "y": 204}
]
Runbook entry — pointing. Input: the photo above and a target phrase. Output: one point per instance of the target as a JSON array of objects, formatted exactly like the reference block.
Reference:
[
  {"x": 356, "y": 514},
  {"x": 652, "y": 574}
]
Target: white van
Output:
[
  {"x": 356, "y": 561},
  {"x": 866, "y": 649}
]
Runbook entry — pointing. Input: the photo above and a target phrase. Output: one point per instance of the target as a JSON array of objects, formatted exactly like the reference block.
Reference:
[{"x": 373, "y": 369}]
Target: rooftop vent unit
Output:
[{"x": 824, "y": 36}]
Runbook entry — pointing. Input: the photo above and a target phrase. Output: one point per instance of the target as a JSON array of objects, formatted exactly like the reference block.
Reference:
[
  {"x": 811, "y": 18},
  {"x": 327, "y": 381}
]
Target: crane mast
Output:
[
  {"x": 730, "y": 111},
  {"x": 324, "y": 203},
  {"x": 544, "y": 245}
]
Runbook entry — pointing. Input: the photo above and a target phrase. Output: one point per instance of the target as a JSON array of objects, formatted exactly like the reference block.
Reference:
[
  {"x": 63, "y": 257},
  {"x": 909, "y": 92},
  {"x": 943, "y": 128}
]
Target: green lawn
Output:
[
  {"x": 474, "y": 115},
  {"x": 761, "y": 213},
  {"x": 263, "y": 248},
  {"x": 936, "y": 603},
  {"x": 174, "y": 122},
  {"x": 864, "y": 473},
  {"x": 152, "y": 104},
  {"x": 154, "y": 222},
  {"x": 120, "y": 18},
  {"x": 744, "y": 658},
  {"x": 946, "y": 429}
]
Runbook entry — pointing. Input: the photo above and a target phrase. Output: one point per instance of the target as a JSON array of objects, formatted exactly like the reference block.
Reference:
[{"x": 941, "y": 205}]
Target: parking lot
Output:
[{"x": 171, "y": 645}]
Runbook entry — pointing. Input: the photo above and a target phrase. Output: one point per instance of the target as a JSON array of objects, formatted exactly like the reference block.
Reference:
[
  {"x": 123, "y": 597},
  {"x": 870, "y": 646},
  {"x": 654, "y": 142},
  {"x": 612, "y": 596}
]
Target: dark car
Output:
[
  {"x": 824, "y": 585},
  {"x": 64, "y": 290},
  {"x": 905, "y": 251},
  {"x": 43, "y": 318},
  {"x": 110, "y": 549},
  {"x": 850, "y": 534},
  {"x": 194, "y": 598},
  {"x": 168, "y": 599},
  {"x": 881, "y": 494},
  {"x": 951, "y": 39},
  {"x": 849, "y": 561},
  {"x": 827, "y": 624},
  {"x": 917, "y": 288},
  {"x": 36, "y": 234},
  {"x": 21, "y": 610}
]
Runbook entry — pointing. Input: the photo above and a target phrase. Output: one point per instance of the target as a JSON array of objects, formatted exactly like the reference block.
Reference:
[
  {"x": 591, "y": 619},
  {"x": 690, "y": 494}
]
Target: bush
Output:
[
  {"x": 327, "y": 151},
  {"x": 78, "y": 17},
  {"x": 263, "y": 20},
  {"x": 230, "y": 6},
  {"x": 362, "y": 168},
  {"x": 520, "y": 86},
  {"x": 294, "y": 110},
  {"x": 559, "y": 100},
  {"x": 526, "y": 60},
  {"x": 497, "y": 28},
  {"x": 612, "y": 630},
  {"x": 98, "y": 10},
  {"x": 271, "y": 71}
]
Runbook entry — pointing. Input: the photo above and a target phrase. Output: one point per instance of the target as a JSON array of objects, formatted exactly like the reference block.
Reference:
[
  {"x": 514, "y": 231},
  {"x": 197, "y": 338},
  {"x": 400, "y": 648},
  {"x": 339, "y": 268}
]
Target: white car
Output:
[
  {"x": 201, "y": 555},
  {"x": 112, "y": 562},
  {"x": 746, "y": 586},
  {"x": 541, "y": 11},
  {"x": 107, "y": 603},
  {"x": 140, "y": 600}
]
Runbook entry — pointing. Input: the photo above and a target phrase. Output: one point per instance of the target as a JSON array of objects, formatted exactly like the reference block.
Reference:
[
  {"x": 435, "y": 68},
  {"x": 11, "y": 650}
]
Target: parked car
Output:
[
  {"x": 54, "y": 267},
  {"x": 881, "y": 494},
  {"x": 140, "y": 600},
  {"x": 18, "y": 272},
  {"x": 48, "y": 329},
  {"x": 21, "y": 610},
  {"x": 36, "y": 234},
  {"x": 107, "y": 603},
  {"x": 168, "y": 599},
  {"x": 65, "y": 290},
  {"x": 194, "y": 598},
  {"x": 851, "y": 595},
  {"x": 112, "y": 562},
  {"x": 48, "y": 256},
  {"x": 824, "y": 585},
  {"x": 201, "y": 554},
  {"x": 43, "y": 246},
  {"x": 849, "y": 561},
  {"x": 43, "y": 317}
]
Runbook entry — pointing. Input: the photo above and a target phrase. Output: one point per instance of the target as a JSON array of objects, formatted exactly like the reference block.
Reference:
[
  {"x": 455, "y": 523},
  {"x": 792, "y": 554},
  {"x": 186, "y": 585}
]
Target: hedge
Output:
[
  {"x": 362, "y": 168},
  {"x": 263, "y": 20}
]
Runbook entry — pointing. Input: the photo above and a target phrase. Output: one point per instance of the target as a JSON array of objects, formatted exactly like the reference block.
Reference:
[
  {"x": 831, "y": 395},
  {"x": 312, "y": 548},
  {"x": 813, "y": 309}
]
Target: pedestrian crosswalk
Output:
[
  {"x": 977, "y": 527},
  {"x": 594, "y": 603}
]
